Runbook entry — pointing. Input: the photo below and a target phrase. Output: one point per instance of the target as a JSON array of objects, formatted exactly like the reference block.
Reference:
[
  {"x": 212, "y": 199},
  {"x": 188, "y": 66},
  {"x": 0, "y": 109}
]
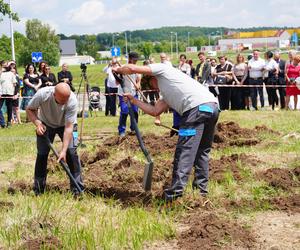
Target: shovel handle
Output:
[{"x": 165, "y": 126}]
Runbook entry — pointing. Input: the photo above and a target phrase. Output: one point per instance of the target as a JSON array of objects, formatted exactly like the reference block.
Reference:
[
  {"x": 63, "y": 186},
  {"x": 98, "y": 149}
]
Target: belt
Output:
[{"x": 256, "y": 78}]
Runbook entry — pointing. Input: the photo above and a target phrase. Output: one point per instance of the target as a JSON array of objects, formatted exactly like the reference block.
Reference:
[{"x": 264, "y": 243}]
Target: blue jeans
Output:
[{"x": 124, "y": 114}]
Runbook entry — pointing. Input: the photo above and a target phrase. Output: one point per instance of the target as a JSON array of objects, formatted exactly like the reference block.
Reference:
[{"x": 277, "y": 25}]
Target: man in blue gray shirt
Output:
[
  {"x": 199, "y": 111},
  {"x": 53, "y": 110}
]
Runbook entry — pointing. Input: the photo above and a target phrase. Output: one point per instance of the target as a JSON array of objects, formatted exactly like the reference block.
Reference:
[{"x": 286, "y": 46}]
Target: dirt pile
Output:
[
  {"x": 50, "y": 242},
  {"x": 229, "y": 164},
  {"x": 87, "y": 158},
  {"x": 154, "y": 143},
  {"x": 208, "y": 231},
  {"x": 289, "y": 203},
  {"x": 281, "y": 177}
]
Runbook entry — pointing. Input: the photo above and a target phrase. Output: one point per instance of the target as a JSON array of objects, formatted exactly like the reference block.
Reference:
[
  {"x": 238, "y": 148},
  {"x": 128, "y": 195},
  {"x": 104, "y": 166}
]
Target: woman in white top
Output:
[
  {"x": 183, "y": 66},
  {"x": 239, "y": 73}
]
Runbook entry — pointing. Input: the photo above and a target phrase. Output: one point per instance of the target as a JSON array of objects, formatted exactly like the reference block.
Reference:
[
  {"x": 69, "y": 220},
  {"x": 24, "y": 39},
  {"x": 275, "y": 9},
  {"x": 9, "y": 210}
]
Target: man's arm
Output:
[
  {"x": 160, "y": 105},
  {"x": 129, "y": 69},
  {"x": 32, "y": 116},
  {"x": 68, "y": 132}
]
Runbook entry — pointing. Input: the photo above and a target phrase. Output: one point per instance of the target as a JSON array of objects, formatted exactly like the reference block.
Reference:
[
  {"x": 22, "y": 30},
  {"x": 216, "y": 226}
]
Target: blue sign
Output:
[
  {"x": 115, "y": 51},
  {"x": 37, "y": 57},
  {"x": 295, "y": 38}
]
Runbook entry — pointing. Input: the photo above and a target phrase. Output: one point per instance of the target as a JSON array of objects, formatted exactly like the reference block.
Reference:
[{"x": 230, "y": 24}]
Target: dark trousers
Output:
[
  {"x": 254, "y": 91},
  {"x": 113, "y": 101},
  {"x": 282, "y": 92},
  {"x": 2, "y": 121},
  {"x": 153, "y": 96},
  {"x": 271, "y": 91},
  {"x": 40, "y": 171},
  {"x": 9, "y": 105},
  {"x": 193, "y": 147},
  {"x": 236, "y": 98},
  {"x": 224, "y": 97}
]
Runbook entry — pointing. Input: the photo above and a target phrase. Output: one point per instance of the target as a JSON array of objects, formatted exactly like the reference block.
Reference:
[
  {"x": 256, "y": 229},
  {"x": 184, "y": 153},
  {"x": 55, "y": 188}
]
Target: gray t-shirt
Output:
[
  {"x": 178, "y": 90},
  {"x": 51, "y": 113}
]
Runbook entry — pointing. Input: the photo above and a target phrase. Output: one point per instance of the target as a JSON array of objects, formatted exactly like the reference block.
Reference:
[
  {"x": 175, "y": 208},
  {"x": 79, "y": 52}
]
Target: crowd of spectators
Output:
[
  {"x": 238, "y": 84},
  {"x": 13, "y": 86}
]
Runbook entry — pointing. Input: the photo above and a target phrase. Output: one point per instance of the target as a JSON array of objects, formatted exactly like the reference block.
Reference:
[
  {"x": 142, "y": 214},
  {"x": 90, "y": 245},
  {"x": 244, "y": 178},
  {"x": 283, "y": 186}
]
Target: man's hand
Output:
[
  {"x": 157, "y": 121},
  {"x": 40, "y": 128},
  {"x": 62, "y": 156},
  {"x": 128, "y": 97}
]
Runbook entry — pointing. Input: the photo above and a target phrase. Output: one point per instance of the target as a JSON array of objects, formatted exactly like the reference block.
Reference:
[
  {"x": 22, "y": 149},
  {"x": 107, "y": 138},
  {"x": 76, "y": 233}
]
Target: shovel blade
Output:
[{"x": 147, "y": 180}]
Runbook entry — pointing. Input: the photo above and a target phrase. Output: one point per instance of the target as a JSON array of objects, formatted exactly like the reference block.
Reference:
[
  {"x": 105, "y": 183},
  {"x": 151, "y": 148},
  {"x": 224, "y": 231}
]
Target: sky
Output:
[{"x": 97, "y": 16}]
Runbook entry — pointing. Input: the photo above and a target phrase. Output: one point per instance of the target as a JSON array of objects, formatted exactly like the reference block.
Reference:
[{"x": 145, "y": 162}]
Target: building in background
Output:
[{"x": 69, "y": 55}]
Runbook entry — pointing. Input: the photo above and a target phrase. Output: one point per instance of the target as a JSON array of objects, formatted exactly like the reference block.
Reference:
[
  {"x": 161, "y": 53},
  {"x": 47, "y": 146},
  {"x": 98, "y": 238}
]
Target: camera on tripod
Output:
[{"x": 83, "y": 67}]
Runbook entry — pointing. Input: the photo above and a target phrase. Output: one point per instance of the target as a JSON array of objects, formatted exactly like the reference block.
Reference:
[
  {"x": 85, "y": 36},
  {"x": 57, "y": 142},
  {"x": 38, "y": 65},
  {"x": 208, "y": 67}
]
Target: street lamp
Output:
[
  {"x": 171, "y": 45},
  {"x": 189, "y": 39},
  {"x": 126, "y": 47},
  {"x": 12, "y": 34},
  {"x": 175, "y": 33}
]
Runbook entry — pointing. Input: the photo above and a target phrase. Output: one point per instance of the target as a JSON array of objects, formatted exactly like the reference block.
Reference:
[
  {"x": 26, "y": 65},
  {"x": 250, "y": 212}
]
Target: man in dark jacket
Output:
[
  {"x": 203, "y": 69},
  {"x": 65, "y": 76},
  {"x": 281, "y": 78}
]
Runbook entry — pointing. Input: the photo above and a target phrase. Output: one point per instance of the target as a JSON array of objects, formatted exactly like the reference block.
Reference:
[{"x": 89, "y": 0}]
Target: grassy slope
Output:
[{"x": 94, "y": 222}]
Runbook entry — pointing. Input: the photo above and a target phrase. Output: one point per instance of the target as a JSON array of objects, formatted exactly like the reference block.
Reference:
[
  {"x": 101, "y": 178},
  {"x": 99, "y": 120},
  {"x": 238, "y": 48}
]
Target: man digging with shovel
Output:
[
  {"x": 199, "y": 110},
  {"x": 57, "y": 115}
]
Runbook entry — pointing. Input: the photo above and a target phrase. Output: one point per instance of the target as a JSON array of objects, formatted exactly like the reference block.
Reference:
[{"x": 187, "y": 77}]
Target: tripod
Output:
[{"x": 83, "y": 80}]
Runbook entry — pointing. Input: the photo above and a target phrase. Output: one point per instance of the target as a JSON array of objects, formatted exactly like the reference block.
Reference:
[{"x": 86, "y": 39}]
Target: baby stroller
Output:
[{"x": 94, "y": 100}]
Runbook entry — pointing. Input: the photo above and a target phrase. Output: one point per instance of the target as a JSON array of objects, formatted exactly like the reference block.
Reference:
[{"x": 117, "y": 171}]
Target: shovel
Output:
[
  {"x": 165, "y": 126},
  {"x": 147, "y": 180},
  {"x": 64, "y": 165}
]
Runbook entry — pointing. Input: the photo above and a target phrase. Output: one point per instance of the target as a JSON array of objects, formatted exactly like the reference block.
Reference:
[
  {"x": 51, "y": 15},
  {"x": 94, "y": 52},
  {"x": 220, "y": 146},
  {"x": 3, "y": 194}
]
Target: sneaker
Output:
[
  {"x": 252, "y": 109},
  {"x": 122, "y": 134}
]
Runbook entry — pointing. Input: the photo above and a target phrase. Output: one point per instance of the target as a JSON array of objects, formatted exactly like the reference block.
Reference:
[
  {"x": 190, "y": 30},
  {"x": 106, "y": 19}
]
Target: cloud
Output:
[{"x": 87, "y": 14}]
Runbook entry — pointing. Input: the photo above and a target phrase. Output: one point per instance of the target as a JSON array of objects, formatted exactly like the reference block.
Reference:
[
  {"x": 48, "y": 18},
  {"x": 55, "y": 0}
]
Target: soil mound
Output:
[
  {"x": 289, "y": 203},
  {"x": 229, "y": 164},
  {"x": 231, "y": 134},
  {"x": 87, "y": 158},
  {"x": 281, "y": 178},
  {"x": 49, "y": 242},
  {"x": 154, "y": 143},
  {"x": 208, "y": 231}
]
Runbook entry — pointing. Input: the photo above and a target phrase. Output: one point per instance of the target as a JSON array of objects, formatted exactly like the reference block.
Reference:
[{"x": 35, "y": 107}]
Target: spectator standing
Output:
[
  {"x": 292, "y": 72},
  {"x": 223, "y": 75},
  {"x": 281, "y": 78},
  {"x": 193, "y": 70},
  {"x": 16, "y": 109},
  {"x": 256, "y": 67},
  {"x": 7, "y": 89},
  {"x": 42, "y": 65},
  {"x": 32, "y": 82},
  {"x": 271, "y": 78},
  {"x": 2, "y": 120},
  {"x": 48, "y": 78},
  {"x": 183, "y": 66},
  {"x": 203, "y": 69},
  {"x": 112, "y": 88},
  {"x": 129, "y": 88},
  {"x": 65, "y": 76},
  {"x": 164, "y": 59},
  {"x": 239, "y": 74}
]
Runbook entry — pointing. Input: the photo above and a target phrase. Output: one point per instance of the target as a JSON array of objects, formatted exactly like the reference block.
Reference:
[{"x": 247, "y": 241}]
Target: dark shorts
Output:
[{"x": 16, "y": 103}]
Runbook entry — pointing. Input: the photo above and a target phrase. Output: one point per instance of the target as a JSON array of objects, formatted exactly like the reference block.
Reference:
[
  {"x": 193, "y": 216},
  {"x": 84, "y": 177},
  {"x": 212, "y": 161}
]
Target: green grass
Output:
[{"x": 95, "y": 222}]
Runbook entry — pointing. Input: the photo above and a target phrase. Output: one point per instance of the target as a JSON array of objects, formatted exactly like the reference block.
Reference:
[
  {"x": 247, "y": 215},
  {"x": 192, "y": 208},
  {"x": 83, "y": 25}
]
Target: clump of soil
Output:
[
  {"x": 219, "y": 168},
  {"x": 289, "y": 203},
  {"x": 87, "y": 158},
  {"x": 19, "y": 185},
  {"x": 231, "y": 134},
  {"x": 208, "y": 231},
  {"x": 6, "y": 205},
  {"x": 154, "y": 143},
  {"x": 50, "y": 242},
  {"x": 280, "y": 178},
  {"x": 264, "y": 128}
]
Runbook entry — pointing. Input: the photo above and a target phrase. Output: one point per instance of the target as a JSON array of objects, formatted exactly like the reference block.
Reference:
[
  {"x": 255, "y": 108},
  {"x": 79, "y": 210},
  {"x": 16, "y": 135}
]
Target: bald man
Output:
[{"x": 57, "y": 115}]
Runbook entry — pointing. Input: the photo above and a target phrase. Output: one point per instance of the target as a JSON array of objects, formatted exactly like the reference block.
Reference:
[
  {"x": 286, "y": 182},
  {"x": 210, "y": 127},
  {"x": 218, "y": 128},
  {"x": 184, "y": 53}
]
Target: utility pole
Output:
[
  {"x": 171, "y": 46},
  {"x": 12, "y": 34},
  {"x": 189, "y": 39},
  {"x": 176, "y": 45}
]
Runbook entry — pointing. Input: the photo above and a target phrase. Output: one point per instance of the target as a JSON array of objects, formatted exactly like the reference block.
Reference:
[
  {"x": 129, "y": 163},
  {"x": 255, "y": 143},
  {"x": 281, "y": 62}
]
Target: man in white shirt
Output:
[
  {"x": 112, "y": 88},
  {"x": 256, "y": 67}
]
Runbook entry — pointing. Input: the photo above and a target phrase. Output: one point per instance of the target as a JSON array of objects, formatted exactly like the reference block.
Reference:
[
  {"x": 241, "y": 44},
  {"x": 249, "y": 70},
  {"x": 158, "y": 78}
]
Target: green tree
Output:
[
  {"x": 146, "y": 49},
  {"x": 40, "y": 37},
  {"x": 5, "y": 11}
]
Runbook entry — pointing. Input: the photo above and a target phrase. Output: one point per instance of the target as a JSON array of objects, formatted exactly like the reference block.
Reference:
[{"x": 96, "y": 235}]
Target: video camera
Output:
[{"x": 83, "y": 67}]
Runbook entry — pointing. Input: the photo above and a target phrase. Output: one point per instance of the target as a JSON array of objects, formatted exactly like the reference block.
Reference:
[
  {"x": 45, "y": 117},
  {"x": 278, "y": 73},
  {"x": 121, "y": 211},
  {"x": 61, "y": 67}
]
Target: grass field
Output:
[{"x": 57, "y": 221}]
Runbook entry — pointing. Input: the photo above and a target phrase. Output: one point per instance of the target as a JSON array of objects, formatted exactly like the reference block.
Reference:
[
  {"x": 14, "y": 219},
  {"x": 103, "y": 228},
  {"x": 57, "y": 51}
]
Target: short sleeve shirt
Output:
[
  {"x": 178, "y": 90},
  {"x": 51, "y": 113}
]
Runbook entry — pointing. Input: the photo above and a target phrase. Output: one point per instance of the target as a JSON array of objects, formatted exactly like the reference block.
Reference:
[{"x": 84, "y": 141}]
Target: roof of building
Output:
[
  {"x": 67, "y": 47},
  {"x": 263, "y": 33}
]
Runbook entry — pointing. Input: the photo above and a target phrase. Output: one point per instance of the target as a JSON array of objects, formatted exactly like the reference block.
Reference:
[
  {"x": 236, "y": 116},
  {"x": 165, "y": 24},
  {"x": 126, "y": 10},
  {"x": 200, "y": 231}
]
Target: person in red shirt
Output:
[{"x": 292, "y": 72}]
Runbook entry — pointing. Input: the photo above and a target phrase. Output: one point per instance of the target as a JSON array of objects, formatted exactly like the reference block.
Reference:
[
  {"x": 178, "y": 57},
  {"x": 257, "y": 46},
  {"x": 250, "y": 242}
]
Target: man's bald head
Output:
[{"x": 62, "y": 93}]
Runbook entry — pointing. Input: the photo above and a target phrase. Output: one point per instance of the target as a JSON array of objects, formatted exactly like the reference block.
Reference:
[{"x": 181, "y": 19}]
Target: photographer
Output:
[
  {"x": 112, "y": 88},
  {"x": 65, "y": 76},
  {"x": 292, "y": 72}
]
